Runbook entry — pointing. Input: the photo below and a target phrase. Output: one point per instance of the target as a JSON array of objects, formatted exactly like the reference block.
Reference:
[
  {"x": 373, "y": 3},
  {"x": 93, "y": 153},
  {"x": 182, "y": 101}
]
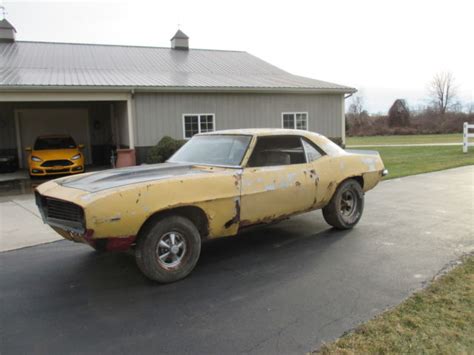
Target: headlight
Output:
[
  {"x": 77, "y": 156},
  {"x": 35, "y": 158}
]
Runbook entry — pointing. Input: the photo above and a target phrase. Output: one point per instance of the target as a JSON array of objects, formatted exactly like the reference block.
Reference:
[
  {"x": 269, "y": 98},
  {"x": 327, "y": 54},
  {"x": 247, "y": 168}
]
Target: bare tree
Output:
[
  {"x": 470, "y": 107},
  {"x": 356, "y": 106},
  {"x": 442, "y": 91}
]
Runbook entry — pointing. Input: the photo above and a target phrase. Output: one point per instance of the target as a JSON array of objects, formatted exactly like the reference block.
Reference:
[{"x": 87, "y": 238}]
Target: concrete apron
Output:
[{"x": 21, "y": 225}]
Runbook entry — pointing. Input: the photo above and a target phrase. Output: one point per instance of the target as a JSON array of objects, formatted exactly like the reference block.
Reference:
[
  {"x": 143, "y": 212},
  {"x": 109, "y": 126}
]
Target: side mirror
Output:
[
  {"x": 28, "y": 149},
  {"x": 80, "y": 146}
]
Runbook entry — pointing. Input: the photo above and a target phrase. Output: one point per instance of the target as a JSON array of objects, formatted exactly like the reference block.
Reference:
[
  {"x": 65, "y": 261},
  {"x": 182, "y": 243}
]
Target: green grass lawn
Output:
[
  {"x": 409, "y": 139},
  {"x": 437, "y": 320},
  {"x": 403, "y": 161}
]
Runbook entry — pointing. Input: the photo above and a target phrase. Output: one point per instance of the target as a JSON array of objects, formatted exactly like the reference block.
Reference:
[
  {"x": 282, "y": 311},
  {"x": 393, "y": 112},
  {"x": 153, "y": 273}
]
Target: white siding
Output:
[{"x": 158, "y": 114}]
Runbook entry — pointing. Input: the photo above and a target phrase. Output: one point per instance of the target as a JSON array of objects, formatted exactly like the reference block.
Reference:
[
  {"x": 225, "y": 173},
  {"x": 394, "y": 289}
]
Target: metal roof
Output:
[{"x": 73, "y": 66}]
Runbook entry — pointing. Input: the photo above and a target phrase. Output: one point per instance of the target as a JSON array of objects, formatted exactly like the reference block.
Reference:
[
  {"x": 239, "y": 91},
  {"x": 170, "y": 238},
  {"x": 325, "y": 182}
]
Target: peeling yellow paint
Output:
[{"x": 229, "y": 197}]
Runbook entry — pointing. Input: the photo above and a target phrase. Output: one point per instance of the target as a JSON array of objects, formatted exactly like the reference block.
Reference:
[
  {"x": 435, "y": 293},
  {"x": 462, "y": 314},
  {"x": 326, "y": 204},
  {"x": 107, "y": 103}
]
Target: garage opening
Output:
[
  {"x": 74, "y": 122},
  {"x": 100, "y": 126}
]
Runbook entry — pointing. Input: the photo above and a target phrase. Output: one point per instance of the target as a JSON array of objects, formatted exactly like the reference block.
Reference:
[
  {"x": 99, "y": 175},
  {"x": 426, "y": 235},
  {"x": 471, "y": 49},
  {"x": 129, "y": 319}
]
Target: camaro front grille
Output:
[
  {"x": 49, "y": 163},
  {"x": 63, "y": 210},
  {"x": 61, "y": 213}
]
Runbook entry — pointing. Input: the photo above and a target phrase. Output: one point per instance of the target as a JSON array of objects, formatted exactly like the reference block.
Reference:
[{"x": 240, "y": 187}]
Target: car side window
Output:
[
  {"x": 312, "y": 152},
  {"x": 277, "y": 150}
]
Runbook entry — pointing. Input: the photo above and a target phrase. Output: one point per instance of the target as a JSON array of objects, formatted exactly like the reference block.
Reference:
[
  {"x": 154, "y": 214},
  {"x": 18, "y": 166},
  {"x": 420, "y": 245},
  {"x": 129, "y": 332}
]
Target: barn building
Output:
[{"x": 129, "y": 96}]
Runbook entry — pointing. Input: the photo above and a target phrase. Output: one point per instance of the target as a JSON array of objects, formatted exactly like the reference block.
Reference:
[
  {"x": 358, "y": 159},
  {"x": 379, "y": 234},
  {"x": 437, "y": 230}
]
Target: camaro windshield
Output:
[
  {"x": 45, "y": 143},
  {"x": 227, "y": 150}
]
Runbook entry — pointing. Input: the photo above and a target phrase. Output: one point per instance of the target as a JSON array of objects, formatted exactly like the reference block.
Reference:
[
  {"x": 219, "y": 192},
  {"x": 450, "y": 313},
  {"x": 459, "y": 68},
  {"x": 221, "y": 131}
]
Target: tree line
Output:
[{"x": 444, "y": 113}]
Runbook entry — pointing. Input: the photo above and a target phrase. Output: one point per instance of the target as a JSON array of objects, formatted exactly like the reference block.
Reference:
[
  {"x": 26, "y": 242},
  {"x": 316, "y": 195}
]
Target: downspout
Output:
[{"x": 344, "y": 119}]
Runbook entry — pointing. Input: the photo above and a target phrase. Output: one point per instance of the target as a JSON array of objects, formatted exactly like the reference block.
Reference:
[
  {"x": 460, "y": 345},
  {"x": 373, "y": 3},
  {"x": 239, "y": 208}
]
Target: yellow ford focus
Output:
[{"x": 55, "y": 155}]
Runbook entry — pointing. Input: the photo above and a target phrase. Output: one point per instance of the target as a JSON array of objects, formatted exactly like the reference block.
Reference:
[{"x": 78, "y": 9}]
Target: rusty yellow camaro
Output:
[{"x": 214, "y": 186}]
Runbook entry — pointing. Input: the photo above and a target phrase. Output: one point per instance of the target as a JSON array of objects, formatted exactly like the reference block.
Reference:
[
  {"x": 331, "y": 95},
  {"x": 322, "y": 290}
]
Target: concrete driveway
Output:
[
  {"x": 280, "y": 290},
  {"x": 21, "y": 225}
]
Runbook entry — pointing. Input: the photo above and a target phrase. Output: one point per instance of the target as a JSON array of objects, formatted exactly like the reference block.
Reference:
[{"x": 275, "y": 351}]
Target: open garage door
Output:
[{"x": 35, "y": 122}]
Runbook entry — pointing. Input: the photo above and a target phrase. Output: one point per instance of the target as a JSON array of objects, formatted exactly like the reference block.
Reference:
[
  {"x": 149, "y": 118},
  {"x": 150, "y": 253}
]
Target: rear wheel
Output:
[
  {"x": 168, "y": 249},
  {"x": 346, "y": 206}
]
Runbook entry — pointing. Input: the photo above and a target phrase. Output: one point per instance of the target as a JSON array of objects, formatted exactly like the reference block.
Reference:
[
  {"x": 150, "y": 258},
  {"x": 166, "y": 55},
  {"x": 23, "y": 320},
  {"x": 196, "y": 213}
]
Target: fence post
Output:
[{"x": 465, "y": 138}]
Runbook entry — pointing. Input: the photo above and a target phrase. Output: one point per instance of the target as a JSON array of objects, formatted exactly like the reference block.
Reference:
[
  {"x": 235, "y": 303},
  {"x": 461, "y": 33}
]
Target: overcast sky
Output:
[{"x": 386, "y": 49}]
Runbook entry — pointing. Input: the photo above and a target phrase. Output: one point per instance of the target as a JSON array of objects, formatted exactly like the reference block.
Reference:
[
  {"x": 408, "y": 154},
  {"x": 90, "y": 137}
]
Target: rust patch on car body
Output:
[{"x": 236, "y": 218}]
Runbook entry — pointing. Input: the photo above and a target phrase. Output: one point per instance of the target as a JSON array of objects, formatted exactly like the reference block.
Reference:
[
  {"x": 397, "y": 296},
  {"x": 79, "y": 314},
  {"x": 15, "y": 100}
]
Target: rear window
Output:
[
  {"x": 44, "y": 143},
  {"x": 332, "y": 148}
]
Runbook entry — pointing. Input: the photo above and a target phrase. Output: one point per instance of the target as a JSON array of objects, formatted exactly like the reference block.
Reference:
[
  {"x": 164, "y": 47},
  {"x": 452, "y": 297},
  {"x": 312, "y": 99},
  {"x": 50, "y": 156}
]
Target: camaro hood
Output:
[{"x": 107, "y": 179}]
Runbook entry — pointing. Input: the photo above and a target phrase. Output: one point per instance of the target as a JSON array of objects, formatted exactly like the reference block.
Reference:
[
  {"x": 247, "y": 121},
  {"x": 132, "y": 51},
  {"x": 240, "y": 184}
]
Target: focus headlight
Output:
[
  {"x": 35, "y": 158},
  {"x": 77, "y": 156}
]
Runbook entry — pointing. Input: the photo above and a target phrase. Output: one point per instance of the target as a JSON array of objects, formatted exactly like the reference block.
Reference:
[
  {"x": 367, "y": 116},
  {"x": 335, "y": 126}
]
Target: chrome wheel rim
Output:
[
  {"x": 348, "y": 204},
  {"x": 170, "y": 250}
]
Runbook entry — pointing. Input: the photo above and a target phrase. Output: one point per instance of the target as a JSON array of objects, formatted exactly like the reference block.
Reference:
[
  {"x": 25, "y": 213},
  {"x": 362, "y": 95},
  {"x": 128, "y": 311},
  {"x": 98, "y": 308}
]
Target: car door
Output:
[
  {"x": 322, "y": 171},
  {"x": 277, "y": 180}
]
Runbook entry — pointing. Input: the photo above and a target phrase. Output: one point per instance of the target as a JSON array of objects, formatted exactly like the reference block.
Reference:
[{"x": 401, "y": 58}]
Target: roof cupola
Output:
[{"x": 180, "y": 41}]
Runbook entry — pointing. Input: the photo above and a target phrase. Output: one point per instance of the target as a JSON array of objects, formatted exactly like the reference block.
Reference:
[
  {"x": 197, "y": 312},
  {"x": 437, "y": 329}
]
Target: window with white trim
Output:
[
  {"x": 198, "y": 123},
  {"x": 295, "y": 120}
]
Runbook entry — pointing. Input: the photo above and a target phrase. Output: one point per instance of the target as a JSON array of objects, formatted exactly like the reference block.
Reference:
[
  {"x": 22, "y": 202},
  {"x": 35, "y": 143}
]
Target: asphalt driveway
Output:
[{"x": 279, "y": 290}]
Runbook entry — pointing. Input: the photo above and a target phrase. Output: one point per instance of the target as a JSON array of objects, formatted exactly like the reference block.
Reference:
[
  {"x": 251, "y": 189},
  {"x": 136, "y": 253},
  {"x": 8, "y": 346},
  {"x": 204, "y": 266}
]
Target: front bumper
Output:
[
  {"x": 36, "y": 168},
  {"x": 103, "y": 244}
]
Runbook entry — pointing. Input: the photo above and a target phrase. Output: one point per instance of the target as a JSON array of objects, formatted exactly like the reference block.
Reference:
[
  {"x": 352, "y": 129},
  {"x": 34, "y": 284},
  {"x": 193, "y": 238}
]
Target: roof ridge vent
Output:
[{"x": 180, "y": 41}]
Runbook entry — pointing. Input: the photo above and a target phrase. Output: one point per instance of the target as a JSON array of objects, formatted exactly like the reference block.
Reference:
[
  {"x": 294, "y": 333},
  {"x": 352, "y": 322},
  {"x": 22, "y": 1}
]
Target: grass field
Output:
[
  {"x": 437, "y": 320},
  {"x": 403, "y": 161},
  {"x": 410, "y": 139}
]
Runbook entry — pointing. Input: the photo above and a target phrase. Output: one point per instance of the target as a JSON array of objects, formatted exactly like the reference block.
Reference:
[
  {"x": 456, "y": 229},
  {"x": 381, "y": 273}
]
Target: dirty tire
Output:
[
  {"x": 346, "y": 206},
  {"x": 155, "y": 255}
]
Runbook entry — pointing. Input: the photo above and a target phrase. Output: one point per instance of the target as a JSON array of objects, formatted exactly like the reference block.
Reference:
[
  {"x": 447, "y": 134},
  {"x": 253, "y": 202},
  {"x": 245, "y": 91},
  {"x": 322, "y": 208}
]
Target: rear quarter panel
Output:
[
  {"x": 332, "y": 170},
  {"x": 368, "y": 166}
]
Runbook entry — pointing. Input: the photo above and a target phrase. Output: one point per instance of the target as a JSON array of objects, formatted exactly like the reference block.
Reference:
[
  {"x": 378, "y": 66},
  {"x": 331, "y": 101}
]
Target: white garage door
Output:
[{"x": 36, "y": 122}]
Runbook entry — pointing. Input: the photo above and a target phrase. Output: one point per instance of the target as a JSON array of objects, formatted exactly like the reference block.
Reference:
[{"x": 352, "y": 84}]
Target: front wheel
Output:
[
  {"x": 168, "y": 249},
  {"x": 346, "y": 206}
]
